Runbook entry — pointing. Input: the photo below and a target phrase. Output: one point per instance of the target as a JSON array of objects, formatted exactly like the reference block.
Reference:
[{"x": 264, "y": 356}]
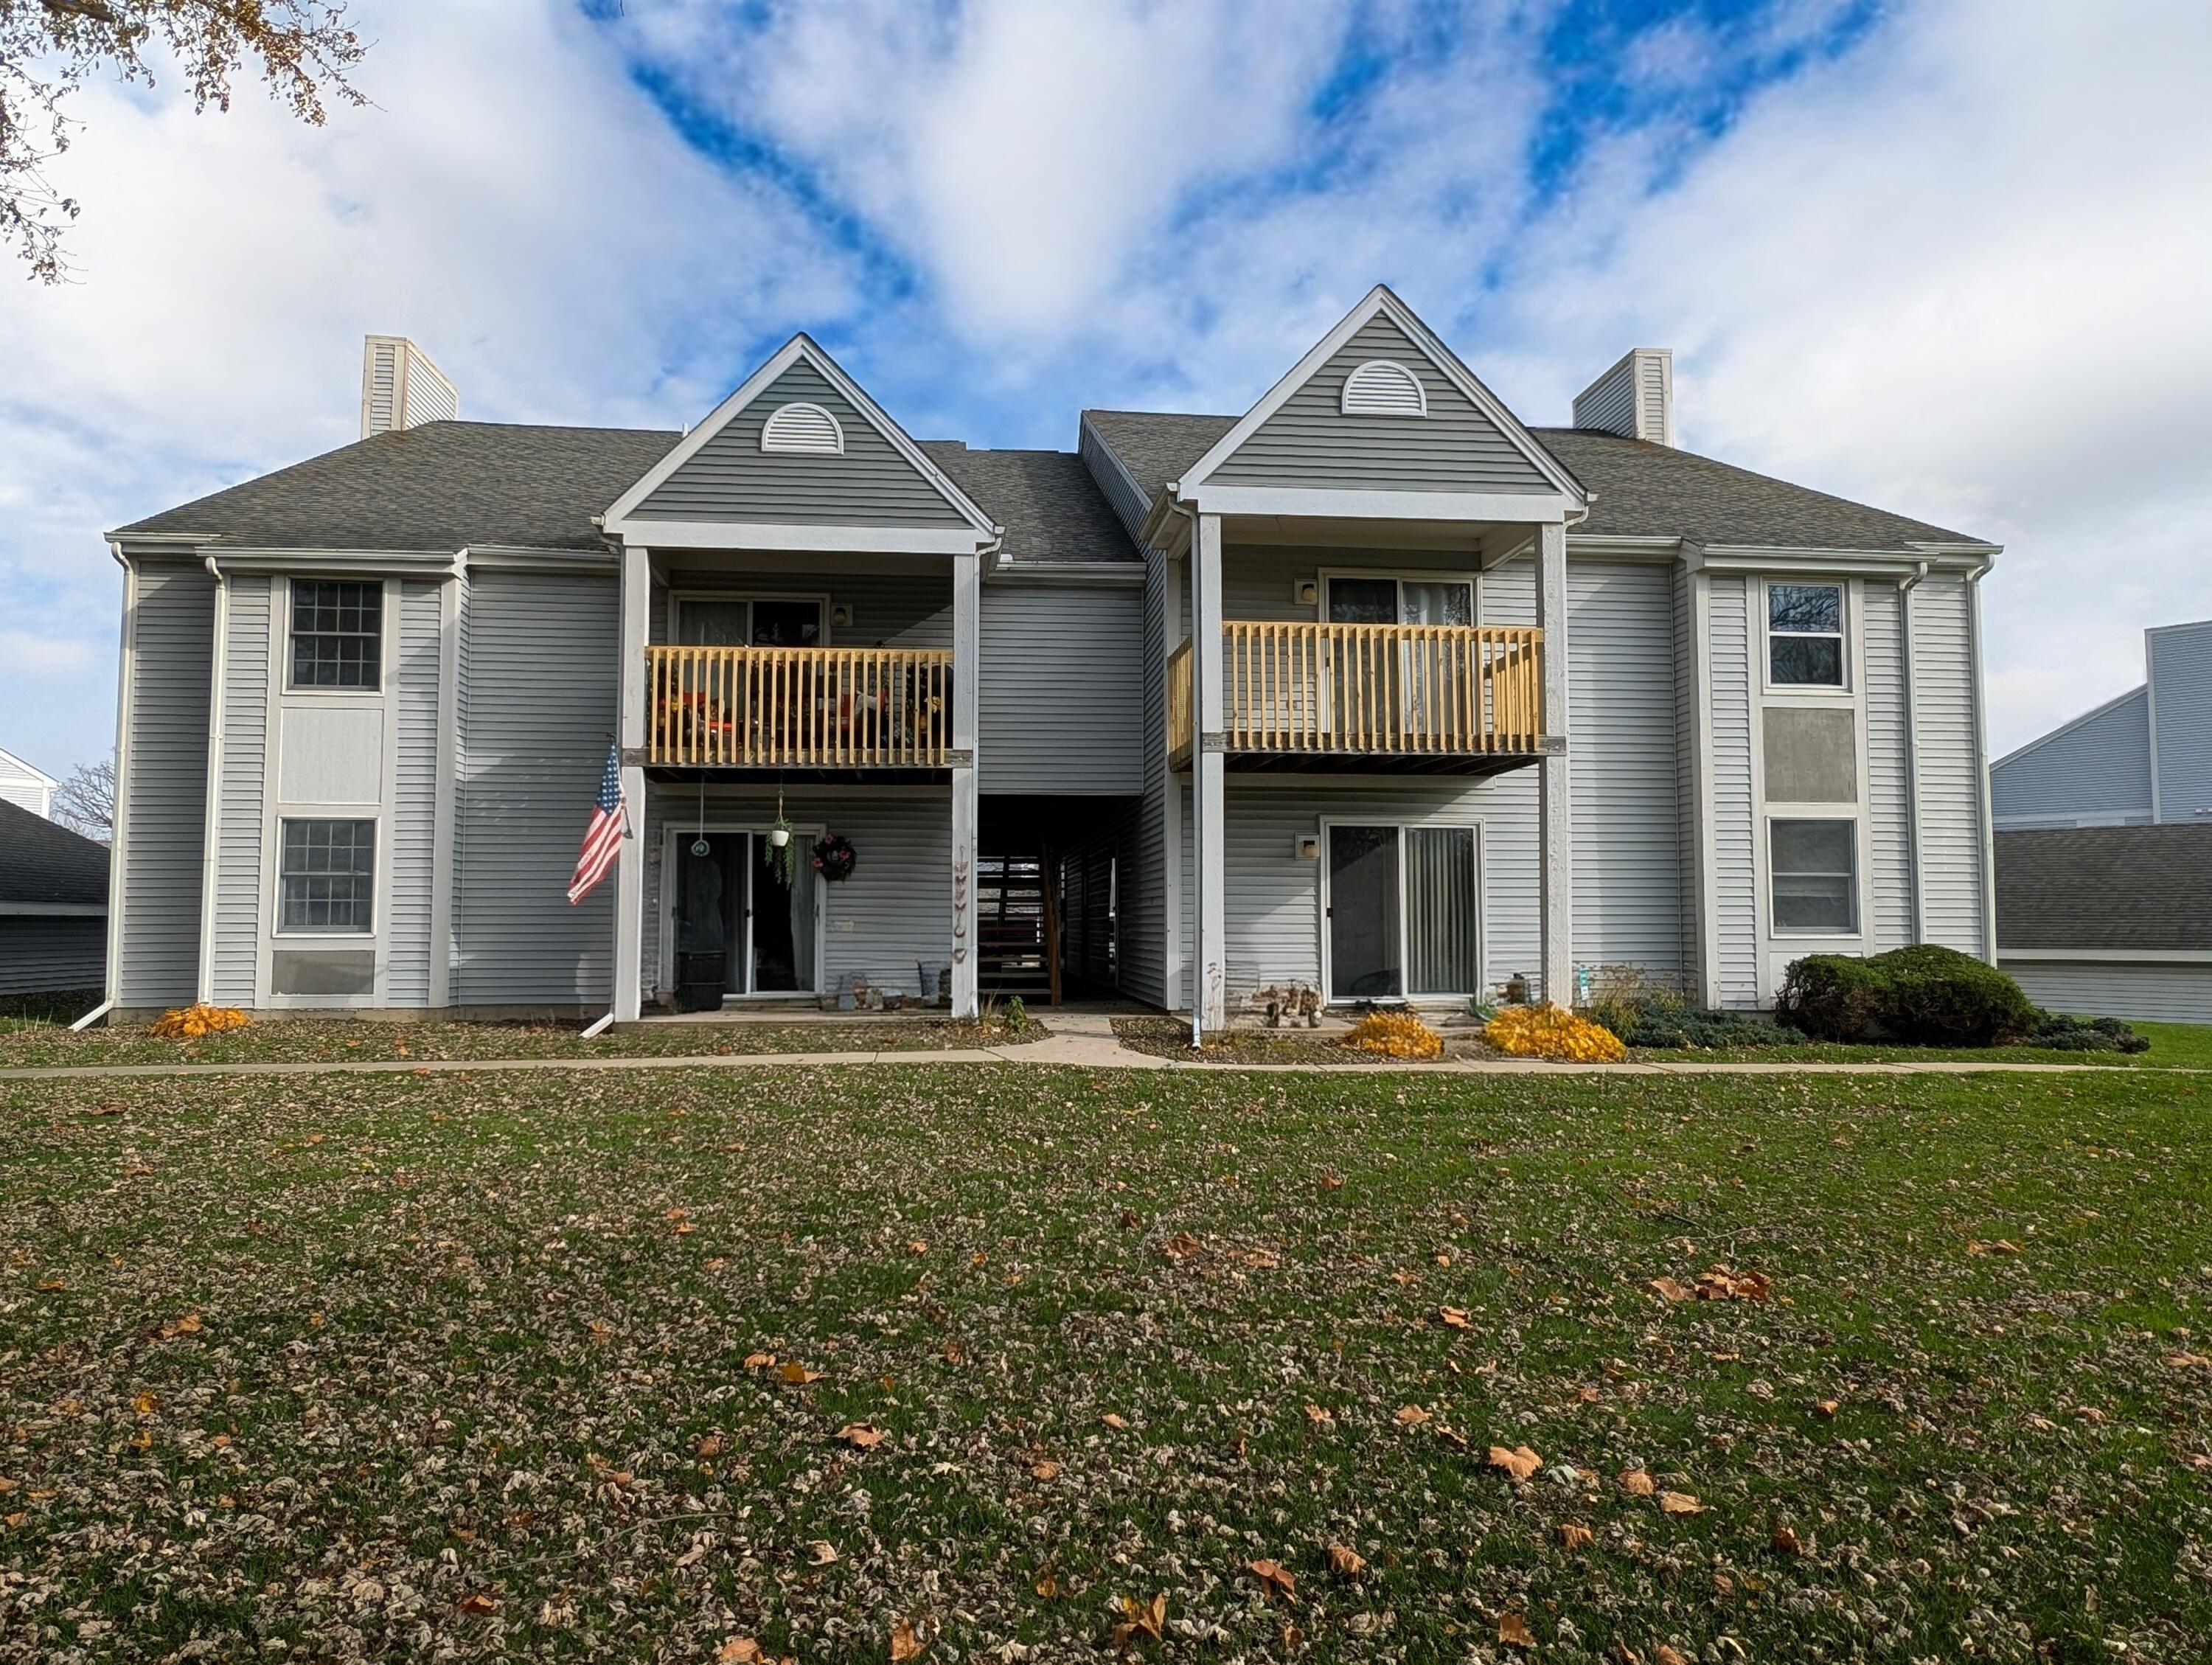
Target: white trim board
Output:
[{"x": 2111, "y": 955}]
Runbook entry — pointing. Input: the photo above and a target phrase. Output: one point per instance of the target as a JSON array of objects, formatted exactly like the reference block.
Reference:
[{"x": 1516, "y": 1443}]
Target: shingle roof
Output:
[
  {"x": 436, "y": 487},
  {"x": 1051, "y": 508},
  {"x": 2120, "y": 888},
  {"x": 1640, "y": 489},
  {"x": 43, "y": 863}
]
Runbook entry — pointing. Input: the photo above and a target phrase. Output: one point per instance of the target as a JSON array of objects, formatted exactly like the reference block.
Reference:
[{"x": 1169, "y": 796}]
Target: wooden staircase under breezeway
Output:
[{"x": 1018, "y": 926}]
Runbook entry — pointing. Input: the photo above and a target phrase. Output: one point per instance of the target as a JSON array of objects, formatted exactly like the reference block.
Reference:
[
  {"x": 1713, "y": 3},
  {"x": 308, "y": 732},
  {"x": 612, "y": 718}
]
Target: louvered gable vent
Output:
[
  {"x": 1382, "y": 387},
  {"x": 806, "y": 429}
]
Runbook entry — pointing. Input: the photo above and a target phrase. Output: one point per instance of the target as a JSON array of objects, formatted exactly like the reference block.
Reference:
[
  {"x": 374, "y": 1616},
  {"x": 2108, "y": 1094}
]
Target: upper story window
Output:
[
  {"x": 805, "y": 429},
  {"x": 1382, "y": 387},
  {"x": 1393, "y": 600},
  {"x": 1805, "y": 635},
  {"x": 337, "y": 633}
]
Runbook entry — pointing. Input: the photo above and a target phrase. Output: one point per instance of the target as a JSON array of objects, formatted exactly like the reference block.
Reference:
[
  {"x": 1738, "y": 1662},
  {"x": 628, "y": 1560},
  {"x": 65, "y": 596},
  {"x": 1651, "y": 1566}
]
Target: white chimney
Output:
[
  {"x": 400, "y": 387},
  {"x": 1635, "y": 398}
]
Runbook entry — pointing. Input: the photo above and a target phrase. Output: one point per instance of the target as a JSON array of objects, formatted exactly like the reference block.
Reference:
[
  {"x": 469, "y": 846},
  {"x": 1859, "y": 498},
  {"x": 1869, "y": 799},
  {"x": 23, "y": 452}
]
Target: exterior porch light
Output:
[{"x": 1307, "y": 846}]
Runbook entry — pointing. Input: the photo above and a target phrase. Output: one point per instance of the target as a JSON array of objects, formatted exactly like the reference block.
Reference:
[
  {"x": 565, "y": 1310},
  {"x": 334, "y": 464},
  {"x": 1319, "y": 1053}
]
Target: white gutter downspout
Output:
[
  {"x": 1193, "y": 964},
  {"x": 1905, "y": 588},
  {"x": 212, "y": 827},
  {"x": 1982, "y": 765}
]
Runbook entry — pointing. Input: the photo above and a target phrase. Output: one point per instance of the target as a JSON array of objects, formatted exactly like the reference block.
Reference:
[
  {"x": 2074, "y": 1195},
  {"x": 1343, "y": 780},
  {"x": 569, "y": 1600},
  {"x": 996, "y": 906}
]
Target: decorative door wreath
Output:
[{"x": 833, "y": 857}]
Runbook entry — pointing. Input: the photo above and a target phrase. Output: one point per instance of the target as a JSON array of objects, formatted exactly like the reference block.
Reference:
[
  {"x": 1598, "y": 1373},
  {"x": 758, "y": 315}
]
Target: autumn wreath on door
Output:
[{"x": 833, "y": 857}]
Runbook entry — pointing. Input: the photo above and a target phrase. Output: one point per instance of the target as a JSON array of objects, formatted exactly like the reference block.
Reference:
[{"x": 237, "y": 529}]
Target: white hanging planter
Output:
[{"x": 779, "y": 836}]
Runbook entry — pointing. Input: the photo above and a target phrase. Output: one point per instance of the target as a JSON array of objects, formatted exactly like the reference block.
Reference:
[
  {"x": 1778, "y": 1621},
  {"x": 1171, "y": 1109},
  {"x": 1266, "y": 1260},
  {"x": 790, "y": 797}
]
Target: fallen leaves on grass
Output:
[
  {"x": 1518, "y": 1461},
  {"x": 1275, "y": 1580},
  {"x": 861, "y": 1435},
  {"x": 1346, "y": 1561},
  {"x": 1637, "y": 1483},
  {"x": 1680, "y": 1503},
  {"x": 1513, "y": 1630}
]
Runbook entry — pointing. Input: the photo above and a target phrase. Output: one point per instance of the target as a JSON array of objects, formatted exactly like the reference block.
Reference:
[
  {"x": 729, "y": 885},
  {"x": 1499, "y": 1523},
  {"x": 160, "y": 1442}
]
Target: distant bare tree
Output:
[
  {"x": 85, "y": 803},
  {"x": 48, "y": 48}
]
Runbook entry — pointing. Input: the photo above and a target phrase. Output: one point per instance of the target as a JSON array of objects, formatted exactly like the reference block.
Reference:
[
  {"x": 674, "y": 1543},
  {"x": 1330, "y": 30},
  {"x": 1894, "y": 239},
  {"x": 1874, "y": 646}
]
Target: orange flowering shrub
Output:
[
  {"x": 1551, "y": 1032},
  {"x": 196, "y": 1023},
  {"x": 1394, "y": 1034}
]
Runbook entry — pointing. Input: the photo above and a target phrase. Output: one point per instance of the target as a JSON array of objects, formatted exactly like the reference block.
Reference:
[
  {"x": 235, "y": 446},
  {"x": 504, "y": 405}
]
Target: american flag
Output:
[{"x": 602, "y": 837}]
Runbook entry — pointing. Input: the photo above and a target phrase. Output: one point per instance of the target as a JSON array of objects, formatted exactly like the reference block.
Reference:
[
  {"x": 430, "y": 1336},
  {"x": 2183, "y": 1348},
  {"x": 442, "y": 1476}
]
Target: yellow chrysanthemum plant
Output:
[
  {"x": 1394, "y": 1035},
  {"x": 1551, "y": 1032},
  {"x": 196, "y": 1022}
]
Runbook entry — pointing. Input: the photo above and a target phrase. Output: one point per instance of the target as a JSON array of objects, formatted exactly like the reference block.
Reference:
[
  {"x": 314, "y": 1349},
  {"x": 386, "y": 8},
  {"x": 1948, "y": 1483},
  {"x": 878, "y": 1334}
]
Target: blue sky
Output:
[{"x": 1949, "y": 257}]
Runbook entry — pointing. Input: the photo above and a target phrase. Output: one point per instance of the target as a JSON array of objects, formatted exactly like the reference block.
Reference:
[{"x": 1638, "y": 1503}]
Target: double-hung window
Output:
[
  {"x": 1815, "y": 877},
  {"x": 337, "y": 633},
  {"x": 327, "y": 879},
  {"x": 1805, "y": 635}
]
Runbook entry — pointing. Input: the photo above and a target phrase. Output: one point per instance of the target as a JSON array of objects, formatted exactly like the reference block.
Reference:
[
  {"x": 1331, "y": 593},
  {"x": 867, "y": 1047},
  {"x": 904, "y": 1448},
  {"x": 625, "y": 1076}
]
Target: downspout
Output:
[
  {"x": 211, "y": 823},
  {"x": 1193, "y": 964},
  {"x": 1982, "y": 765},
  {"x": 1905, "y": 588}
]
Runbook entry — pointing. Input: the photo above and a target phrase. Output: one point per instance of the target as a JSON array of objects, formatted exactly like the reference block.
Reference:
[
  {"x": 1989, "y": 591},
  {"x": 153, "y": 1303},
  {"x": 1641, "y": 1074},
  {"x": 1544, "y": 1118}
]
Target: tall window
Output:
[
  {"x": 337, "y": 633},
  {"x": 1805, "y": 635},
  {"x": 327, "y": 881},
  {"x": 1814, "y": 876}
]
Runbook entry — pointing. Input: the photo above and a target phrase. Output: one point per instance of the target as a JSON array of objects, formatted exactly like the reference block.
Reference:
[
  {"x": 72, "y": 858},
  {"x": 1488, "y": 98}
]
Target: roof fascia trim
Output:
[
  {"x": 388, "y": 563},
  {"x": 800, "y": 346},
  {"x": 525, "y": 557},
  {"x": 1847, "y": 563},
  {"x": 2141, "y": 691},
  {"x": 821, "y": 539},
  {"x": 1528, "y": 507},
  {"x": 1381, "y": 299},
  {"x": 2162, "y": 956},
  {"x": 54, "y": 909},
  {"x": 24, "y": 763},
  {"x": 1080, "y": 574}
]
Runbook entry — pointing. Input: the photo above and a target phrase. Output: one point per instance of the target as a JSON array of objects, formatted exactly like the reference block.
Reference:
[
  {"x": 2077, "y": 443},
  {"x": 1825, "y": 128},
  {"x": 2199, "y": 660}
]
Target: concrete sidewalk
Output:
[{"x": 1078, "y": 1040}]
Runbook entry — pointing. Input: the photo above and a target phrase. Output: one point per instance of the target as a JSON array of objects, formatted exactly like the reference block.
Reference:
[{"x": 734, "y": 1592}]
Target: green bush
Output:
[
  {"x": 1831, "y": 997},
  {"x": 2058, "y": 1032},
  {"x": 1923, "y": 996},
  {"x": 1698, "y": 1028}
]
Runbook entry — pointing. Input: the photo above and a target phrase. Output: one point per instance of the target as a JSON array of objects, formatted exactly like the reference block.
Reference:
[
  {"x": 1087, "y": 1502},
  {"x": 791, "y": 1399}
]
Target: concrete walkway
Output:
[{"x": 1080, "y": 1040}]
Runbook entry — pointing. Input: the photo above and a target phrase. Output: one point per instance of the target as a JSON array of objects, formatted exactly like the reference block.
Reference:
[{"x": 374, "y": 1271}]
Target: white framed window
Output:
[
  {"x": 1805, "y": 635},
  {"x": 1398, "y": 598},
  {"x": 803, "y": 429},
  {"x": 1401, "y": 910},
  {"x": 337, "y": 635},
  {"x": 708, "y": 619},
  {"x": 1813, "y": 876},
  {"x": 1382, "y": 387},
  {"x": 326, "y": 877}
]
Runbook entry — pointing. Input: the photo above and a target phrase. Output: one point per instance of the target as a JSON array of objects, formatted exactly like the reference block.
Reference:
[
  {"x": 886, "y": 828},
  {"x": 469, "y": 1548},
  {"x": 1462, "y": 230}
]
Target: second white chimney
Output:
[
  {"x": 1635, "y": 398},
  {"x": 401, "y": 388}
]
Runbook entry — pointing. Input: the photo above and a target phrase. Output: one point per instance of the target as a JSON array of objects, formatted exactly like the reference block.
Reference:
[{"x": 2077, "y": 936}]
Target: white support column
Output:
[
  {"x": 1171, "y": 634},
  {"x": 1555, "y": 813},
  {"x": 967, "y": 690},
  {"x": 629, "y": 870},
  {"x": 1209, "y": 795}
]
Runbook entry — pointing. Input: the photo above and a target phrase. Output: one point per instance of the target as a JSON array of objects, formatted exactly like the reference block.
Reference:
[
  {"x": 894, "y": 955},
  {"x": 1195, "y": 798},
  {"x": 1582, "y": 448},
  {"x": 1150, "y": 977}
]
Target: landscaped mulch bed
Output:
[
  {"x": 1169, "y": 1037},
  {"x": 1022, "y": 1364}
]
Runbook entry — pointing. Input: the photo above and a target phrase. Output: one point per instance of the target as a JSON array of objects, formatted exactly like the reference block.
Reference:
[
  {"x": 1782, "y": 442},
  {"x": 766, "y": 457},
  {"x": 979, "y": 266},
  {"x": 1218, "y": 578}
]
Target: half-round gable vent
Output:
[
  {"x": 1381, "y": 387},
  {"x": 806, "y": 428}
]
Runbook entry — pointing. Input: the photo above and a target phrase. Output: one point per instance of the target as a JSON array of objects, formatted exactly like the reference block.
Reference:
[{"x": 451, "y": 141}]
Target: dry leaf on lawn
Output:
[
  {"x": 1513, "y": 1630},
  {"x": 1787, "y": 1540},
  {"x": 1670, "y": 1289},
  {"x": 476, "y": 1602},
  {"x": 1275, "y": 1579},
  {"x": 822, "y": 1552},
  {"x": 1343, "y": 1558},
  {"x": 904, "y": 1644},
  {"x": 1180, "y": 1246},
  {"x": 738, "y": 1651},
  {"x": 1455, "y": 1318},
  {"x": 1663, "y": 1654},
  {"x": 1680, "y": 1503},
  {"x": 1112, "y": 1420},
  {"x": 1574, "y": 1535},
  {"x": 1826, "y": 1408},
  {"x": 1723, "y": 1283},
  {"x": 1520, "y": 1462},
  {"x": 1321, "y": 1417},
  {"x": 759, "y": 1361},
  {"x": 861, "y": 1435},
  {"x": 710, "y": 1447},
  {"x": 1636, "y": 1483},
  {"x": 797, "y": 1374},
  {"x": 1047, "y": 1470},
  {"x": 1412, "y": 1416}
]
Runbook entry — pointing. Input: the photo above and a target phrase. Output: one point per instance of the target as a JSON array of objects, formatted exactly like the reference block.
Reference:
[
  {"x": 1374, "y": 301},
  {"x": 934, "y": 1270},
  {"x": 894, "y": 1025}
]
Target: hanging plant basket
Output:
[
  {"x": 833, "y": 857},
  {"x": 776, "y": 853}
]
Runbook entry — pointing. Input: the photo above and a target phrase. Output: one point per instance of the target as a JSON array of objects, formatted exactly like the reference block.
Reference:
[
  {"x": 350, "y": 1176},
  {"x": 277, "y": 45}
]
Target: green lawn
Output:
[
  {"x": 465, "y": 1366},
  {"x": 340, "y": 1039}
]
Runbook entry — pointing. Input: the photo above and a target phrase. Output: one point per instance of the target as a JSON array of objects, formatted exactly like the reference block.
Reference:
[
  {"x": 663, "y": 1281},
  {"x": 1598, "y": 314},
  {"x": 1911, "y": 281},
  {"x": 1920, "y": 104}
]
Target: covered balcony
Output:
[
  {"x": 1412, "y": 698},
  {"x": 862, "y": 709}
]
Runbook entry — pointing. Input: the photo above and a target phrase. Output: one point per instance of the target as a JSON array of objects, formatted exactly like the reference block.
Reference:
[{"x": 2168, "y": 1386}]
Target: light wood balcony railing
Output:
[
  {"x": 1410, "y": 690},
  {"x": 799, "y": 708}
]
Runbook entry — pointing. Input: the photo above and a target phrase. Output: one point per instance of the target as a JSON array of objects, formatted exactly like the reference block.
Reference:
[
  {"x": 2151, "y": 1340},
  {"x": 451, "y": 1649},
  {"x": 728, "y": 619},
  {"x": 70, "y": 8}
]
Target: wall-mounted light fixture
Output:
[
  {"x": 1307, "y": 846},
  {"x": 841, "y": 617},
  {"x": 1307, "y": 591}
]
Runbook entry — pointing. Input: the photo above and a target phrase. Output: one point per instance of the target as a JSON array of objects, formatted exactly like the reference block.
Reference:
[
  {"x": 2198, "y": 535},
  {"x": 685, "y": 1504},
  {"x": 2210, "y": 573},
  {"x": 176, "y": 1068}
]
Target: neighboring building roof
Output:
[
  {"x": 1640, "y": 489},
  {"x": 1051, "y": 508},
  {"x": 2121, "y": 888},
  {"x": 449, "y": 483},
  {"x": 42, "y": 864},
  {"x": 9, "y": 763}
]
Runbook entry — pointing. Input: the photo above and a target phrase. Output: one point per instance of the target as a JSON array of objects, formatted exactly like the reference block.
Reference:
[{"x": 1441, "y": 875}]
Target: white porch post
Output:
[
  {"x": 630, "y": 868},
  {"x": 1209, "y": 795},
  {"x": 1555, "y": 813},
  {"x": 966, "y": 687}
]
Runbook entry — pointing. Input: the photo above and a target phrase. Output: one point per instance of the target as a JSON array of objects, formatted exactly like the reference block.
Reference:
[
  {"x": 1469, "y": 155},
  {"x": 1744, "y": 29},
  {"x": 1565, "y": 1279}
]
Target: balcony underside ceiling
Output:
[
  {"x": 1470, "y": 765},
  {"x": 665, "y": 775}
]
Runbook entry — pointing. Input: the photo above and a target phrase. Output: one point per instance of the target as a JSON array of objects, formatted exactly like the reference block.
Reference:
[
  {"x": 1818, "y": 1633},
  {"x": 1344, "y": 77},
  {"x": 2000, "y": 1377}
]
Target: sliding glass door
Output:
[
  {"x": 729, "y": 901},
  {"x": 1403, "y": 912}
]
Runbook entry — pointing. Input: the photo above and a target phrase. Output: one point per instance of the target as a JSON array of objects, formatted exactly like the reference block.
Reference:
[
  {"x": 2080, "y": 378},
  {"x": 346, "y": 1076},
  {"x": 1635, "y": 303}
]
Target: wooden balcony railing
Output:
[
  {"x": 799, "y": 708},
  {"x": 1448, "y": 690}
]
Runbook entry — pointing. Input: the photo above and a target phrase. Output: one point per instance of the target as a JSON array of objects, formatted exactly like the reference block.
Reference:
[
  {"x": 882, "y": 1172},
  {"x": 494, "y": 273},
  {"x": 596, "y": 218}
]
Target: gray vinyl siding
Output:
[
  {"x": 1512, "y": 876},
  {"x": 731, "y": 478},
  {"x": 895, "y": 911},
  {"x": 2181, "y": 692},
  {"x": 1063, "y": 697},
  {"x": 541, "y": 663},
  {"x": 245, "y": 773},
  {"x": 1308, "y": 444},
  {"x": 1610, "y": 403},
  {"x": 1274, "y": 901},
  {"x": 165, "y": 790},
  {"x": 2096, "y": 771},
  {"x": 1683, "y": 606},
  {"x": 902, "y": 610},
  {"x": 1950, "y": 818},
  {"x": 2145, "y": 991},
  {"x": 1259, "y": 581},
  {"x": 1888, "y": 903},
  {"x": 1735, "y": 837},
  {"x": 412, "y": 815},
  {"x": 1620, "y": 694},
  {"x": 44, "y": 955},
  {"x": 1127, "y": 501},
  {"x": 1143, "y": 880}
]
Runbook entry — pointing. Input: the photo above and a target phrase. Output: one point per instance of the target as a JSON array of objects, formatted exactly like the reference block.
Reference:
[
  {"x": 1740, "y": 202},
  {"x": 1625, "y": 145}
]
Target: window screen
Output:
[
  {"x": 1805, "y": 634},
  {"x": 337, "y": 633},
  {"x": 328, "y": 878},
  {"x": 1814, "y": 875}
]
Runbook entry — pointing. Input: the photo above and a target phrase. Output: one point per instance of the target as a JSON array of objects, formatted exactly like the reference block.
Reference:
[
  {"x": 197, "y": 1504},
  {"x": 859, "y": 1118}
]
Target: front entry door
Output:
[
  {"x": 1365, "y": 959},
  {"x": 730, "y": 900}
]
